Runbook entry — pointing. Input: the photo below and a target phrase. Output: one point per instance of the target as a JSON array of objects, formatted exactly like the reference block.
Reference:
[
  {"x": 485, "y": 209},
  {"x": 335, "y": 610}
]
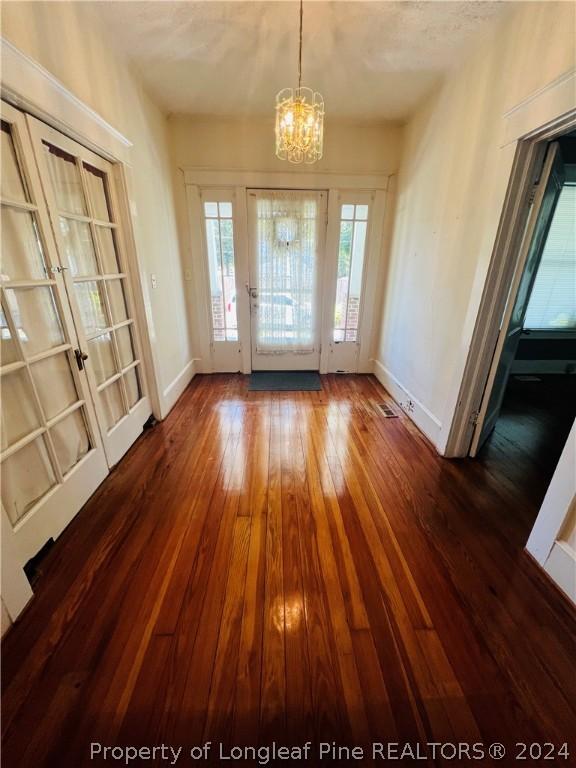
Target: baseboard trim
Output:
[
  {"x": 560, "y": 565},
  {"x": 417, "y": 411},
  {"x": 173, "y": 391}
]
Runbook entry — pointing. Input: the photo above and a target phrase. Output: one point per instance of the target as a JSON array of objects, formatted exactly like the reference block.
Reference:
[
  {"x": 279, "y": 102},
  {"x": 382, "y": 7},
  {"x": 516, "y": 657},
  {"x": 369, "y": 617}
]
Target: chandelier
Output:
[{"x": 299, "y": 119}]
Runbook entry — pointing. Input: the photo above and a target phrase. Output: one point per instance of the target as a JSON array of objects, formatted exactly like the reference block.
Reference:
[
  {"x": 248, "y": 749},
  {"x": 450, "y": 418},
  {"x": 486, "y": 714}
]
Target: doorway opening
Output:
[{"x": 529, "y": 403}]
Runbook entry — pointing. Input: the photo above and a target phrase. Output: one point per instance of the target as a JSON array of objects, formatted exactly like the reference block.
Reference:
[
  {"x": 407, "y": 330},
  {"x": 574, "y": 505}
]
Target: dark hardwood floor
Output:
[
  {"x": 525, "y": 446},
  {"x": 290, "y": 567}
]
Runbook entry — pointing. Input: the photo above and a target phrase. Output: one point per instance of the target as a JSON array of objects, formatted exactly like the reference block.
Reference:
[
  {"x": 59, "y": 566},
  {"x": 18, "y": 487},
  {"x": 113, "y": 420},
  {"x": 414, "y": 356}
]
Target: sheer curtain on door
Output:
[{"x": 287, "y": 231}]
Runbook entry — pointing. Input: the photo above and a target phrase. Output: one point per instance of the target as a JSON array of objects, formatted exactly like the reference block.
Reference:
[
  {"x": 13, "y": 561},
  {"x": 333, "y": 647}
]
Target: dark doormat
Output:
[{"x": 284, "y": 381}]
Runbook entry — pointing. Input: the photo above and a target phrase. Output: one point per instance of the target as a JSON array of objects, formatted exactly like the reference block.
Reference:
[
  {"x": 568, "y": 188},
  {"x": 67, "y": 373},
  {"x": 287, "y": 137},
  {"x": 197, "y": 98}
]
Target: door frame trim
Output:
[{"x": 529, "y": 153}]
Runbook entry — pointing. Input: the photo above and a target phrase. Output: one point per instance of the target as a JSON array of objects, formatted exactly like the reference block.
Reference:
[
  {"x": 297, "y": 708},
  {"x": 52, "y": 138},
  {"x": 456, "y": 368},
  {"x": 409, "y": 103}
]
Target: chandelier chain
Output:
[{"x": 300, "y": 51}]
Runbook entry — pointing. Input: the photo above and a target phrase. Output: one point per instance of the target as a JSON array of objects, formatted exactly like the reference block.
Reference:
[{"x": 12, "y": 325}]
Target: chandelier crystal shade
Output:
[{"x": 299, "y": 120}]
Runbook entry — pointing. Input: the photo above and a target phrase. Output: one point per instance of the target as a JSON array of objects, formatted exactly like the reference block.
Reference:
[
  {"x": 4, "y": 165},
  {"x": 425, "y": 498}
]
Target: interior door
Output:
[
  {"x": 287, "y": 235},
  {"x": 84, "y": 212},
  {"x": 52, "y": 457},
  {"x": 539, "y": 220}
]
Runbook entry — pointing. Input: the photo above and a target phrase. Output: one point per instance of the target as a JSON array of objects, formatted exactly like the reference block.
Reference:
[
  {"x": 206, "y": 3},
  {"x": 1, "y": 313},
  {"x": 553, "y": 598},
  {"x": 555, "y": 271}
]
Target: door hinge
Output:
[
  {"x": 474, "y": 416},
  {"x": 80, "y": 358}
]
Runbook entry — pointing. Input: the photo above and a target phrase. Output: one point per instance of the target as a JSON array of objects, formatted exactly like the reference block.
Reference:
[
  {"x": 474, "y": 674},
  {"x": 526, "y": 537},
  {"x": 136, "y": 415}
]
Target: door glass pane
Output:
[
  {"x": 8, "y": 351},
  {"x": 26, "y": 477},
  {"x": 71, "y": 440},
  {"x": 12, "y": 185},
  {"x": 36, "y": 318},
  {"x": 65, "y": 180},
  {"x": 78, "y": 247},
  {"x": 19, "y": 416},
  {"x": 287, "y": 260},
  {"x": 91, "y": 304},
  {"x": 112, "y": 404},
  {"x": 101, "y": 358},
  {"x": 106, "y": 241},
  {"x": 117, "y": 300},
  {"x": 54, "y": 384},
  {"x": 98, "y": 193},
  {"x": 22, "y": 257},
  {"x": 125, "y": 346},
  {"x": 132, "y": 383}
]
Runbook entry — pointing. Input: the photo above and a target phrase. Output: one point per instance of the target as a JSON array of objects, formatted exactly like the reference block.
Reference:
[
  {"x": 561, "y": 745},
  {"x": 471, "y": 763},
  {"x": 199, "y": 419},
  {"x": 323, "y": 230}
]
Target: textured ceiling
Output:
[{"x": 370, "y": 60}]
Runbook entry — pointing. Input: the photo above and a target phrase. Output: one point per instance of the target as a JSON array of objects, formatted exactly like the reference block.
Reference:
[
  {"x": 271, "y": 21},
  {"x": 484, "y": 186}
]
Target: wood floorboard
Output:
[{"x": 290, "y": 567}]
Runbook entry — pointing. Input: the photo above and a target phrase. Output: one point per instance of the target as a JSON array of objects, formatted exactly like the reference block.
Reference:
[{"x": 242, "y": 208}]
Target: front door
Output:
[{"x": 287, "y": 234}]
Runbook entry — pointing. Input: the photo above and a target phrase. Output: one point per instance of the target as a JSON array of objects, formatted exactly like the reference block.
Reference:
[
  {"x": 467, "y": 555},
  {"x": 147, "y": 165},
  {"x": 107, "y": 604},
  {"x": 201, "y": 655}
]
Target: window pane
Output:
[
  {"x": 8, "y": 350},
  {"x": 98, "y": 193},
  {"x": 112, "y": 404},
  {"x": 101, "y": 357},
  {"x": 19, "y": 416},
  {"x": 78, "y": 247},
  {"x": 351, "y": 254},
  {"x": 347, "y": 212},
  {"x": 552, "y": 303},
  {"x": 132, "y": 383},
  {"x": 91, "y": 304},
  {"x": 54, "y": 384},
  {"x": 65, "y": 181},
  {"x": 12, "y": 184},
  {"x": 26, "y": 477},
  {"x": 211, "y": 210},
  {"x": 117, "y": 300},
  {"x": 36, "y": 318},
  {"x": 225, "y": 210},
  {"x": 70, "y": 439},
  {"x": 21, "y": 257},
  {"x": 107, "y": 243}
]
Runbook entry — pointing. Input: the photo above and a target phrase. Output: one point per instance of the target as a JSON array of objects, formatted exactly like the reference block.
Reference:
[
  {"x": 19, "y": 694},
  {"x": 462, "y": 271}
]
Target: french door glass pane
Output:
[
  {"x": 125, "y": 346},
  {"x": 8, "y": 351},
  {"x": 66, "y": 181},
  {"x": 54, "y": 384},
  {"x": 132, "y": 383},
  {"x": 22, "y": 256},
  {"x": 117, "y": 300},
  {"x": 112, "y": 404},
  {"x": 101, "y": 357},
  {"x": 107, "y": 250},
  {"x": 12, "y": 185},
  {"x": 221, "y": 266},
  {"x": 36, "y": 318},
  {"x": 19, "y": 416},
  {"x": 27, "y": 476},
  {"x": 70, "y": 439},
  {"x": 92, "y": 306},
  {"x": 98, "y": 193},
  {"x": 78, "y": 246}
]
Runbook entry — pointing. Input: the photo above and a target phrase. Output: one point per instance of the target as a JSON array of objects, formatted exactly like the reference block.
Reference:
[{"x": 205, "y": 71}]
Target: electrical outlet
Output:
[
  {"x": 153, "y": 281},
  {"x": 408, "y": 406}
]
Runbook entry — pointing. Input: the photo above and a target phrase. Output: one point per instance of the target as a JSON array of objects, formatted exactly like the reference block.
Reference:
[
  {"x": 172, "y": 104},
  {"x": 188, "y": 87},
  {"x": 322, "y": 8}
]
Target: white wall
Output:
[
  {"x": 67, "y": 39},
  {"x": 451, "y": 189}
]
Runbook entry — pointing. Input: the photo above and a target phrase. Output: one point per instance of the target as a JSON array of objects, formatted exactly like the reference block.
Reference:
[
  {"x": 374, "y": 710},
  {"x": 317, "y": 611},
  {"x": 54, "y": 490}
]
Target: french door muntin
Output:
[
  {"x": 286, "y": 299},
  {"x": 84, "y": 212},
  {"x": 51, "y": 454}
]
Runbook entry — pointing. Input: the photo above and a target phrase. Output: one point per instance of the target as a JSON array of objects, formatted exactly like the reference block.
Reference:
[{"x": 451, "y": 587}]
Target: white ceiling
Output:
[{"x": 370, "y": 60}]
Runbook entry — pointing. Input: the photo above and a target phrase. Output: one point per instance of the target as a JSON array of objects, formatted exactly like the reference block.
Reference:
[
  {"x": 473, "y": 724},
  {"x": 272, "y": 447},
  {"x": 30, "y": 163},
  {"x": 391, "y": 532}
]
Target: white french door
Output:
[
  {"x": 287, "y": 234},
  {"x": 52, "y": 456},
  {"x": 84, "y": 212}
]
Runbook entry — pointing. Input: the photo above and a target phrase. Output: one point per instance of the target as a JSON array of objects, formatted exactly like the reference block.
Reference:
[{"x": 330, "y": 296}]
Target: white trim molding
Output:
[
  {"x": 173, "y": 391},
  {"x": 29, "y": 86},
  {"x": 320, "y": 180},
  {"x": 426, "y": 422}
]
